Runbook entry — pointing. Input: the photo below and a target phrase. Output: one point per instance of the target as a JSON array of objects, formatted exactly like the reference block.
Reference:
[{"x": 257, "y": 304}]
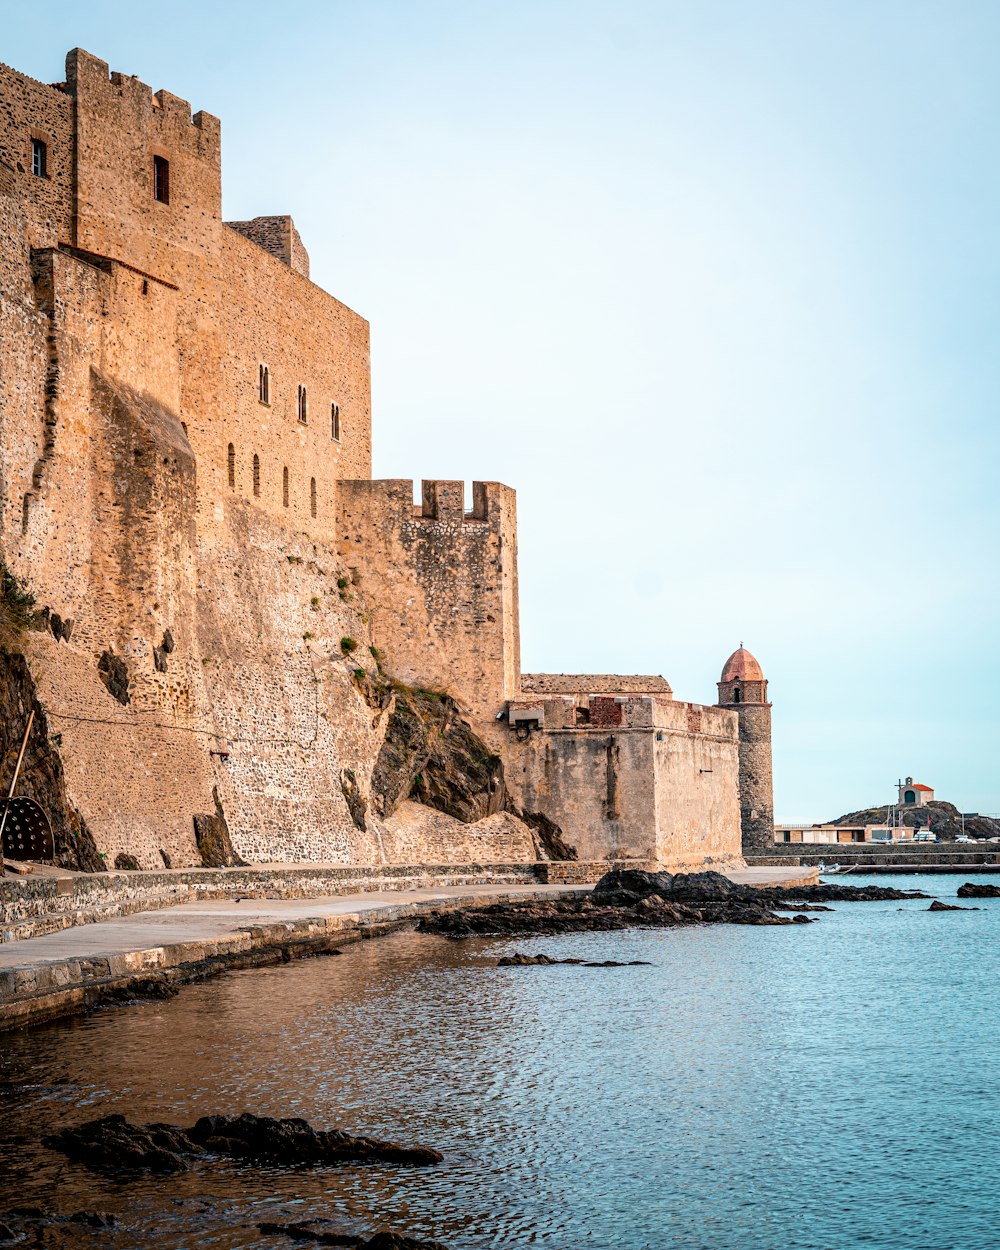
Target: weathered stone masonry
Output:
[{"x": 185, "y": 486}]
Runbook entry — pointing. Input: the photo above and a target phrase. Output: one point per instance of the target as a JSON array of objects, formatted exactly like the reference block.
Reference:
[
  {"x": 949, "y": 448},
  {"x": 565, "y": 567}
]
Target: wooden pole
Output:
[{"x": 13, "y": 783}]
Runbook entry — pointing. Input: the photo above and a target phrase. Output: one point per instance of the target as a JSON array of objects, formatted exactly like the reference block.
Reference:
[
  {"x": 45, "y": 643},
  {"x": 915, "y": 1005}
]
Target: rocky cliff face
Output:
[{"x": 431, "y": 755}]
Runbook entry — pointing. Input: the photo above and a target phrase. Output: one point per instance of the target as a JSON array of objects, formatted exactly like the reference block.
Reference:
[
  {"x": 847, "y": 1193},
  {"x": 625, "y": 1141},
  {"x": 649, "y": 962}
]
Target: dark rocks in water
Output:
[
  {"x": 397, "y": 1241},
  {"x": 937, "y": 905},
  {"x": 583, "y": 915},
  {"x": 630, "y": 898},
  {"x": 519, "y": 960},
  {"x": 973, "y": 890},
  {"x": 112, "y": 1142},
  {"x": 379, "y": 1241},
  {"x": 625, "y": 887},
  {"x": 58, "y": 1232},
  {"x": 295, "y": 1141},
  {"x": 825, "y": 893}
]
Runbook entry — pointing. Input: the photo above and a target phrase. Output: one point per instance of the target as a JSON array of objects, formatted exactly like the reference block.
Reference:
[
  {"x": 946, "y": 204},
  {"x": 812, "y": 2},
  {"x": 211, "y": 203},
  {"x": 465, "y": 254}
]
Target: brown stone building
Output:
[{"x": 185, "y": 488}]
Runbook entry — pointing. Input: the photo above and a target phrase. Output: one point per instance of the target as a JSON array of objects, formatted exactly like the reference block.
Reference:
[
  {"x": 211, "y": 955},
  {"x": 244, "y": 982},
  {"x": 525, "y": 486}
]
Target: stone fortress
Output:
[{"x": 235, "y": 626}]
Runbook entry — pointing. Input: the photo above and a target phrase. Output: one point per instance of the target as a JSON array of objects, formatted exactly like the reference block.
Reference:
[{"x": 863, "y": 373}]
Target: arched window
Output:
[
  {"x": 303, "y": 409},
  {"x": 256, "y": 475},
  {"x": 284, "y": 486},
  {"x": 737, "y": 695},
  {"x": 335, "y": 421},
  {"x": 312, "y": 495},
  {"x": 231, "y": 465},
  {"x": 265, "y": 385}
]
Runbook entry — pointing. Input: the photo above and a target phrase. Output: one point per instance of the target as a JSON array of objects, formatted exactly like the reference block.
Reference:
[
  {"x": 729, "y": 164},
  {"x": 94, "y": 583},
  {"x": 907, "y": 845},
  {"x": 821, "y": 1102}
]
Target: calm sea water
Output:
[{"x": 820, "y": 1087}]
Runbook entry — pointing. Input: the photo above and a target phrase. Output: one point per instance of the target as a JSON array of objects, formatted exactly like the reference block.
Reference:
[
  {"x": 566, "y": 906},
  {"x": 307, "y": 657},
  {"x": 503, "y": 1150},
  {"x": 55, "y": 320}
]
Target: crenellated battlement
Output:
[
  {"x": 84, "y": 67},
  {"x": 446, "y": 577},
  {"x": 441, "y": 500}
]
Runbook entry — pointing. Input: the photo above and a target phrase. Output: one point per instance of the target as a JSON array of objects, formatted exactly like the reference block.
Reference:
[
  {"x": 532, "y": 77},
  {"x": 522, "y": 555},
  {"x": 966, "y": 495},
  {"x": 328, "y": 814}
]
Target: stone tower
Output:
[{"x": 743, "y": 690}]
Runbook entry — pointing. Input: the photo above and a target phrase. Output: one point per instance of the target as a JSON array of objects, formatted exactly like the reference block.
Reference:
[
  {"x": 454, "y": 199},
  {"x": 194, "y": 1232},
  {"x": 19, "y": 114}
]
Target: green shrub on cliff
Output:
[{"x": 17, "y": 608}]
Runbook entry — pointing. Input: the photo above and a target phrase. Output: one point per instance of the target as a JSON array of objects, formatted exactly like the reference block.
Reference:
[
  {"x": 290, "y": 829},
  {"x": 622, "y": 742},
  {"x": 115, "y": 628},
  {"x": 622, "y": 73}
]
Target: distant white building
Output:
[
  {"x": 913, "y": 794},
  {"x": 841, "y": 833}
]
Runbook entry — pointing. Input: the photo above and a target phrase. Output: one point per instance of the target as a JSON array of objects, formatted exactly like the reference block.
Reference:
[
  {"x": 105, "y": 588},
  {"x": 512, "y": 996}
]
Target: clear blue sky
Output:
[{"x": 713, "y": 285}]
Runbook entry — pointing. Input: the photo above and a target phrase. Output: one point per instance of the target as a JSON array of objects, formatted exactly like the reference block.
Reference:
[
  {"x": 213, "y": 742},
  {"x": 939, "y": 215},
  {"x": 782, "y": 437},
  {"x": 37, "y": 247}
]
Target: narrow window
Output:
[
  {"x": 335, "y": 422},
  {"x": 265, "y": 384},
  {"x": 161, "y": 179},
  {"x": 736, "y": 695},
  {"x": 303, "y": 411},
  {"x": 231, "y": 459},
  {"x": 39, "y": 158},
  {"x": 312, "y": 495},
  {"x": 256, "y": 475},
  {"x": 284, "y": 487}
]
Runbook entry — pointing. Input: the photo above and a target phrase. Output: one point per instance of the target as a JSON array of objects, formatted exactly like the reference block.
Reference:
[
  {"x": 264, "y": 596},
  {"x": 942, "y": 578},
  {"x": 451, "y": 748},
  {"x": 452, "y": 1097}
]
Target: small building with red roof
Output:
[{"x": 913, "y": 794}]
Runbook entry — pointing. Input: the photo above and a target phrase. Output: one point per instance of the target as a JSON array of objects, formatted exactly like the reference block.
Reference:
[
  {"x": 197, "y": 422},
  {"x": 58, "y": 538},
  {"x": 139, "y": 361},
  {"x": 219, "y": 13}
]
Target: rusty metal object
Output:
[{"x": 27, "y": 833}]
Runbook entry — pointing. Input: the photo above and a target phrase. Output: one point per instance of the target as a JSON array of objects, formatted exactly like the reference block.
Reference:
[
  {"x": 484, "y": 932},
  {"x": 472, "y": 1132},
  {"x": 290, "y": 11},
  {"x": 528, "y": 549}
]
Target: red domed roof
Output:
[{"x": 741, "y": 666}]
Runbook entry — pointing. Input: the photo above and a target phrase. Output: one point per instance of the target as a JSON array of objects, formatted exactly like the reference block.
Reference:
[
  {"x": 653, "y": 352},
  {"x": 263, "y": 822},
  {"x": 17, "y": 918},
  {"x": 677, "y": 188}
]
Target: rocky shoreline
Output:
[{"x": 634, "y": 899}]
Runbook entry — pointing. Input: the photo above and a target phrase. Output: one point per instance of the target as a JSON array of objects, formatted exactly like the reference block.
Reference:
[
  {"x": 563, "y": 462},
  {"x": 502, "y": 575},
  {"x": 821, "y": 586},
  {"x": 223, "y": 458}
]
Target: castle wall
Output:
[
  {"x": 647, "y": 778},
  {"x": 226, "y": 339},
  {"x": 197, "y": 607},
  {"x": 36, "y": 110},
  {"x": 278, "y": 236},
  {"x": 120, "y": 127},
  {"x": 442, "y": 585}
]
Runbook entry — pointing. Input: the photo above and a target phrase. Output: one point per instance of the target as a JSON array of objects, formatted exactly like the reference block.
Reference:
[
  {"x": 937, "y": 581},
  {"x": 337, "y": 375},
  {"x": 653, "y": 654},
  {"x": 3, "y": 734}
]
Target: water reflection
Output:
[{"x": 813, "y": 1086}]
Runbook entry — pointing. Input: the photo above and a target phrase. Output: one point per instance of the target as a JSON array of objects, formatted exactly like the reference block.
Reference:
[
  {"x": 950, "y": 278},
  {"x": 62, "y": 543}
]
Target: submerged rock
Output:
[
  {"x": 974, "y": 890},
  {"x": 113, "y": 1143},
  {"x": 58, "y": 1232},
  {"x": 266, "y": 1140},
  {"x": 520, "y": 960},
  {"x": 306, "y": 1231},
  {"x": 937, "y": 905}
]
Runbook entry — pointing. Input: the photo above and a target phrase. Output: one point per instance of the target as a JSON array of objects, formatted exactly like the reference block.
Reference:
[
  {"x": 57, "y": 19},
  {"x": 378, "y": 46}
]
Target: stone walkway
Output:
[{"x": 60, "y": 973}]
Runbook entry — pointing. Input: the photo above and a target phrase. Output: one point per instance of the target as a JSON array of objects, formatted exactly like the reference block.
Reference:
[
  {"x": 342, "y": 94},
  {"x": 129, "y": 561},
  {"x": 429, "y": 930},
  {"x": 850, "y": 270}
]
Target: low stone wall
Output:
[
  {"x": 31, "y": 906},
  {"x": 587, "y": 871},
  {"x": 874, "y": 854}
]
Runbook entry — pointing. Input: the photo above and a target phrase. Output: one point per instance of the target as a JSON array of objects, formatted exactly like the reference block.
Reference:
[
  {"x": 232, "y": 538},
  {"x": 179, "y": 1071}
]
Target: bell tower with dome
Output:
[{"x": 743, "y": 690}]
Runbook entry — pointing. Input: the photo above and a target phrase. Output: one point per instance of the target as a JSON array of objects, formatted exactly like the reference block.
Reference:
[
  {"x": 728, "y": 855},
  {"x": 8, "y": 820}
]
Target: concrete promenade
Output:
[{"x": 72, "y": 970}]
